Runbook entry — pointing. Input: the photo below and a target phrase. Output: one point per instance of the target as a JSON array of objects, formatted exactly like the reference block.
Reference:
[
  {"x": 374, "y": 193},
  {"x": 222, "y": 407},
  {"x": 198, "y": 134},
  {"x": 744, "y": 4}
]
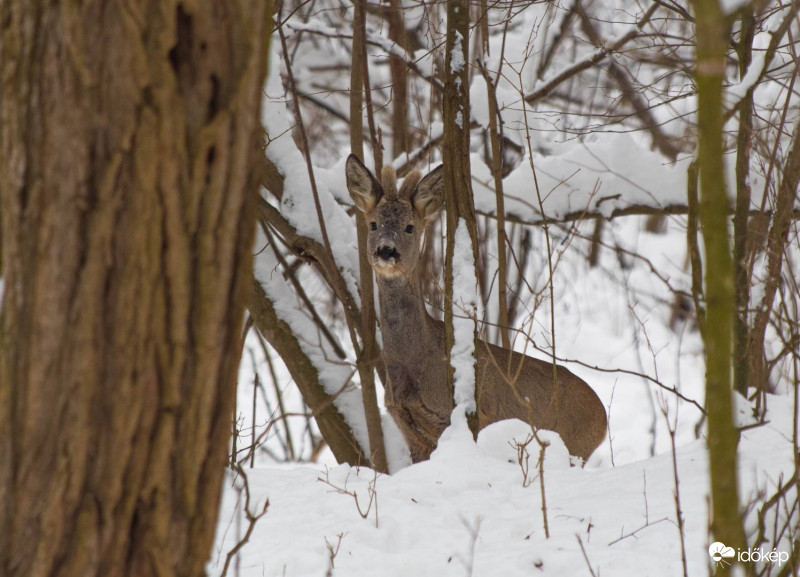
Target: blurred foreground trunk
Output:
[{"x": 712, "y": 34}]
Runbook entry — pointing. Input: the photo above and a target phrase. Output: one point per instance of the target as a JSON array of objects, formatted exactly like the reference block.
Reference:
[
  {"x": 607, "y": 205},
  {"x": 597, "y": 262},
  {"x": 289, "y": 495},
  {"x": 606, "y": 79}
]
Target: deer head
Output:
[{"x": 395, "y": 219}]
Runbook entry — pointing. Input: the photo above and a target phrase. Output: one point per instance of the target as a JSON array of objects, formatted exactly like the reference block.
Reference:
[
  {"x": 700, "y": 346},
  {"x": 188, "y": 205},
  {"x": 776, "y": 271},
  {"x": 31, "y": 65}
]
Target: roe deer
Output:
[{"x": 509, "y": 384}]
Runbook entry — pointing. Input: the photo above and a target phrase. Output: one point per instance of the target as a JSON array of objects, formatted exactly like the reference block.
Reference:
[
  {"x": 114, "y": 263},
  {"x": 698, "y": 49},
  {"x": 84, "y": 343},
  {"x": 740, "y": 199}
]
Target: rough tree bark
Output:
[
  {"x": 129, "y": 134},
  {"x": 712, "y": 40}
]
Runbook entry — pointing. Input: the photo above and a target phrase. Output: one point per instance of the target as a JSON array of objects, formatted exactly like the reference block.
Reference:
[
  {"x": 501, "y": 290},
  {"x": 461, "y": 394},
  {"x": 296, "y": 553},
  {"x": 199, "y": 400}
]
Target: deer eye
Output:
[
  {"x": 373, "y": 226},
  {"x": 410, "y": 228}
]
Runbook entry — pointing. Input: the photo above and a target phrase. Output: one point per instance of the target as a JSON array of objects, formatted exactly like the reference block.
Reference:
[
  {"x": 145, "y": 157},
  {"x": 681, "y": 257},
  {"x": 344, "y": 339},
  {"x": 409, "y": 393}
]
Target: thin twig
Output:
[
  {"x": 585, "y": 556},
  {"x": 252, "y": 519}
]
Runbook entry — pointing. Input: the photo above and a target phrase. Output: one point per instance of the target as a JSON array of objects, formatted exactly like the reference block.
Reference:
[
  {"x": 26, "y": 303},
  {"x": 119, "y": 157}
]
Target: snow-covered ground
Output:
[{"x": 467, "y": 511}]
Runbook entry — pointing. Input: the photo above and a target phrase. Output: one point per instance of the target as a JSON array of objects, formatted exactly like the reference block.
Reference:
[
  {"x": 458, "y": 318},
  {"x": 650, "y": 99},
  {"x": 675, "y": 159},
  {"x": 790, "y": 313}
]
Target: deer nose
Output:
[{"x": 387, "y": 252}]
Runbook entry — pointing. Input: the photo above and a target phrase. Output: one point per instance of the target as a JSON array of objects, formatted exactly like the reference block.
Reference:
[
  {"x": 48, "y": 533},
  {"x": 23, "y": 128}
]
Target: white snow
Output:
[
  {"x": 462, "y": 356},
  {"x": 456, "y": 55},
  {"x": 602, "y": 173},
  {"x": 754, "y": 71},
  {"x": 335, "y": 377},
  {"x": 479, "y": 100},
  {"x": 466, "y": 512},
  {"x": 297, "y": 205},
  {"x": 731, "y": 6}
]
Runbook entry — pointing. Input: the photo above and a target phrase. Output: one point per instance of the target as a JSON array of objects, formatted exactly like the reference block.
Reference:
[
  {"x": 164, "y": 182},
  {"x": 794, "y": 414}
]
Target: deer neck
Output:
[{"x": 406, "y": 327}]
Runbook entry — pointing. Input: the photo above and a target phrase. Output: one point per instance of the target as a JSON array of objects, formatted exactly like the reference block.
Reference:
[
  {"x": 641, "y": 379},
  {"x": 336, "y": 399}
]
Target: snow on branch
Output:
[
  {"x": 297, "y": 202},
  {"x": 334, "y": 375},
  {"x": 465, "y": 286},
  {"x": 293, "y": 222},
  {"x": 605, "y": 175},
  {"x": 373, "y": 39},
  {"x": 591, "y": 60}
]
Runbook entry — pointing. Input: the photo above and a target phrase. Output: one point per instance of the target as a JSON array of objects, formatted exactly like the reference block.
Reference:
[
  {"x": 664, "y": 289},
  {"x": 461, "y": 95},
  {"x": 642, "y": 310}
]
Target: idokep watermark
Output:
[{"x": 722, "y": 555}]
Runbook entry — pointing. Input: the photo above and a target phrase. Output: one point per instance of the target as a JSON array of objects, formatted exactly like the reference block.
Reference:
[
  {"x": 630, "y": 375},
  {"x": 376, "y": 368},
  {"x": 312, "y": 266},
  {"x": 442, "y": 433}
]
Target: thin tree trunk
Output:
[
  {"x": 369, "y": 397},
  {"x": 369, "y": 347},
  {"x": 497, "y": 175},
  {"x": 129, "y": 137},
  {"x": 776, "y": 242},
  {"x": 496, "y": 144},
  {"x": 712, "y": 35},
  {"x": 397, "y": 67},
  {"x": 741, "y": 212},
  {"x": 360, "y": 41},
  {"x": 597, "y": 237},
  {"x": 692, "y": 246},
  {"x": 457, "y": 174}
]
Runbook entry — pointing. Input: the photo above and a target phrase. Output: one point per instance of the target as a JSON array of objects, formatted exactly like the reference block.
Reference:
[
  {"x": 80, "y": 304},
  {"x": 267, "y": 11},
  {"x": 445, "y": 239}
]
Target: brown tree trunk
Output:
[
  {"x": 741, "y": 213},
  {"x": 497, "y": 175},
  {"x": 457, "y": 174},
  {"x": 758, "y": 375},
  {"x": 128, "y": 138},
  {"x": 369, "y": 345},
  {"x": 397, "y": 67}
]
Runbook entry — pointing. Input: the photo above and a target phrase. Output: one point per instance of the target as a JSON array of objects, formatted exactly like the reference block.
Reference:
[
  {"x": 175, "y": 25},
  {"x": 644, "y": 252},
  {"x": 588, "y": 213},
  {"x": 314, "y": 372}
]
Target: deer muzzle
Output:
[{"x": 387, "y": 253}]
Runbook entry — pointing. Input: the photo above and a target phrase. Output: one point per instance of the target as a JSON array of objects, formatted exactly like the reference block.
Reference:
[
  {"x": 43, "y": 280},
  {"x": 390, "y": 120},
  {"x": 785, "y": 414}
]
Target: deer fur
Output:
[{"x": 508, "y": 385}]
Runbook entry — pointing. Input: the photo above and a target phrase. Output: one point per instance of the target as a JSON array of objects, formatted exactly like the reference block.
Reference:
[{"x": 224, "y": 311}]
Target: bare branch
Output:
[{"x": 594, "y": 59}]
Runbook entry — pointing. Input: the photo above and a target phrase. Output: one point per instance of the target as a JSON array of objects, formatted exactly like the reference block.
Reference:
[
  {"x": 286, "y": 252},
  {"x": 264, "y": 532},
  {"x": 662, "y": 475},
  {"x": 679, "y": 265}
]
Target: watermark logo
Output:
[{"x": 722, "y": 555}]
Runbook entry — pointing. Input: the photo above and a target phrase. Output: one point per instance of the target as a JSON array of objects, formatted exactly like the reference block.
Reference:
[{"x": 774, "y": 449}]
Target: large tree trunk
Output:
[{"x": 128, "y": 138}]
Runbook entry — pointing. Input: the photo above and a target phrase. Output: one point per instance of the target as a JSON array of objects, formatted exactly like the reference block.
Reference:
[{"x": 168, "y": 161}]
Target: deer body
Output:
[{"x": 508, "y": 384}]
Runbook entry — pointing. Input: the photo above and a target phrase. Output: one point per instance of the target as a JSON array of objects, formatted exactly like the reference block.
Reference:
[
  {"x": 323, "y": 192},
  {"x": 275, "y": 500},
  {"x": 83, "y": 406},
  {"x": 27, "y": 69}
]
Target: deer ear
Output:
[
  {"x": 428, "y": 199},
  {"x": 364, "y": 189}
]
